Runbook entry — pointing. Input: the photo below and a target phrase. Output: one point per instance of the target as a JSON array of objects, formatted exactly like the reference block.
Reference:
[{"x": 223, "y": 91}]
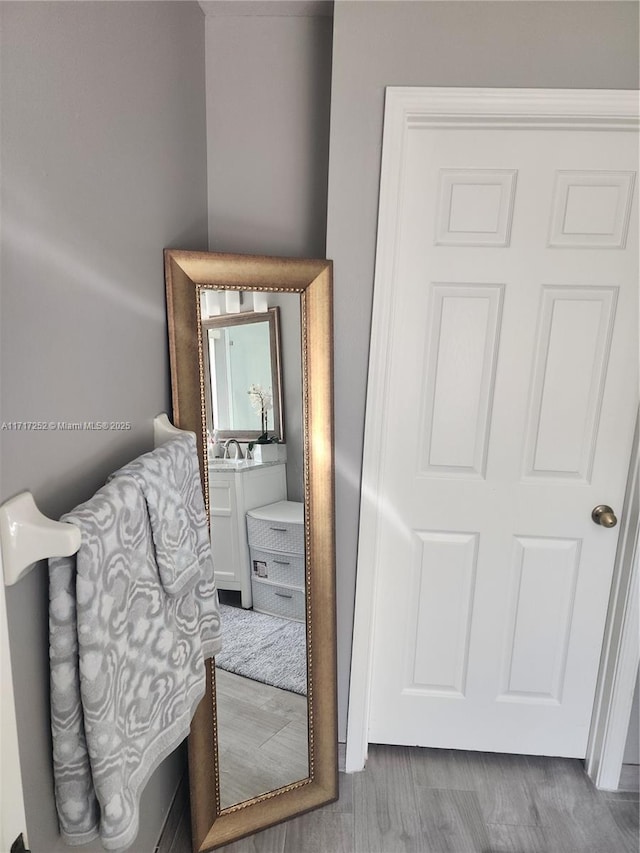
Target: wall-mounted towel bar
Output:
[
  {"x": 163, "y": 430},
  {"x": 26, "y": 535}
]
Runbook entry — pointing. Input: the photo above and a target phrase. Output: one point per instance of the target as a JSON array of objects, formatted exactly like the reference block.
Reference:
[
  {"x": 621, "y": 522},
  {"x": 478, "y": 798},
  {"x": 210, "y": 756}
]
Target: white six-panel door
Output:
[{"x": 506, "y": 405}]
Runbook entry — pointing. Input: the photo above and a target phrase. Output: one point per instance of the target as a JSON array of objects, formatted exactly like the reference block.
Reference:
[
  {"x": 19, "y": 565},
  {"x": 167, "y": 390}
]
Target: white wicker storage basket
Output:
[
  {"x": 275, "y": 535},
  {"x": 285, "y": 569},
  {"x": 284, "y": 601}
]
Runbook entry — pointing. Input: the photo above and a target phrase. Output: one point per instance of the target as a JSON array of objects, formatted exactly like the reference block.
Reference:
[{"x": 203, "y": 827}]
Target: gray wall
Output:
[
  {"x": 290, "y": 339},
  {"x": 103, "y": 165},
  {"x": 268, "y": 87},
  {"x": 378, "y": 44}
]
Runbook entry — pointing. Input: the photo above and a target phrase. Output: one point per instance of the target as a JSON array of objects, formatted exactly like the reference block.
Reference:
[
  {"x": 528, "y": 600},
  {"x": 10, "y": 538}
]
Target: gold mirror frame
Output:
[{"x": 187, "y": 274}]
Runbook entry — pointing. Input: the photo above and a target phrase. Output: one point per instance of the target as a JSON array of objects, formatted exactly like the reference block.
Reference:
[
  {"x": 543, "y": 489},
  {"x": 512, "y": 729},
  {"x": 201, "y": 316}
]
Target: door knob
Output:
[{"x": 604, "y": 515}]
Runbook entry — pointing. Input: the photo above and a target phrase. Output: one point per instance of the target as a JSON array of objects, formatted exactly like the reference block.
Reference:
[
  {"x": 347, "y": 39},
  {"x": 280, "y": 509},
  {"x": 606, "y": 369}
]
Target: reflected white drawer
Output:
[
  {"x": 286, "y": 601},
  {"x": 285, "y": 569},
  {"x": 275, "y": 535}
]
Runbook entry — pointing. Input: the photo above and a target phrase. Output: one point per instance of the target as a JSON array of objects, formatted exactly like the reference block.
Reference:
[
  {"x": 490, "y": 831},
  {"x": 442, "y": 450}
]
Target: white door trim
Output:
[
  {"x": 442, "y": 107},
  {"x": 620, "y": 651}
]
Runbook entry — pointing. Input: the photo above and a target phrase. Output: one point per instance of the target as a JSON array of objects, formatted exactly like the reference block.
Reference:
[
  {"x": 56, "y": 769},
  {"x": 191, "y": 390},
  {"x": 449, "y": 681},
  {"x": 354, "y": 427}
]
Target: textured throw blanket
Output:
[
  {"x": 127, "y": 668},
  {"x": 169, "y": 478}
]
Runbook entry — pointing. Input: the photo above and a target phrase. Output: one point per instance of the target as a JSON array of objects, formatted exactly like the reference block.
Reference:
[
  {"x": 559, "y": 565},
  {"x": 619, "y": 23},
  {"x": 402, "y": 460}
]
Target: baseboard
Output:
[
  {"x": 342, "y": 757},
  {"x": 629, "y": 778},
  {"x": 176, "y": 810}
]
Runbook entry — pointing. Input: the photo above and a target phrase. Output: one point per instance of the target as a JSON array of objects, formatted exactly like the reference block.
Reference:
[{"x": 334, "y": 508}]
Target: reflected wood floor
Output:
[
  {"x": 262, "y": 732},
  {"x": 413, "y": 800}
]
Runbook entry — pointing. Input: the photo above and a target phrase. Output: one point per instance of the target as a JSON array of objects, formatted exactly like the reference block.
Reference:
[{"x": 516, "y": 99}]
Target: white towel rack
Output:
[{"x": 26, "y": 535}]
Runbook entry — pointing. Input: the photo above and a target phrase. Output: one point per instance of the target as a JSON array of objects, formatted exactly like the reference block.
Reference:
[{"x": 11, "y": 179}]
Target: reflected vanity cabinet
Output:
[
  {"x": 276, "y": 545},
  {"x": 233, "y": 491}
]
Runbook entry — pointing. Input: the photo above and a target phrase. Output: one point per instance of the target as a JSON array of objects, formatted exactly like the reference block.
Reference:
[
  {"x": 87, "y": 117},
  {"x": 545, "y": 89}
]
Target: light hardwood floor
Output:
[
  {"x": 262, "y": 733},
  {"x": 412, "y": 800}
]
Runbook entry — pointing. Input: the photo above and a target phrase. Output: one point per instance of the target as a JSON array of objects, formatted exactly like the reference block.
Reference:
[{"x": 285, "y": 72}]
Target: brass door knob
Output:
[{"x": 604, "y": 515}]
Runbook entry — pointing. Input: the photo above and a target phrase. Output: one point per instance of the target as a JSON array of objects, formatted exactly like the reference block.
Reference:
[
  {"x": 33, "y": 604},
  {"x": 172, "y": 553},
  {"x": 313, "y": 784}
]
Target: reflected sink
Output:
[
  {"x": 230, "y": 463},
  {"x": 235, "y": 464}
]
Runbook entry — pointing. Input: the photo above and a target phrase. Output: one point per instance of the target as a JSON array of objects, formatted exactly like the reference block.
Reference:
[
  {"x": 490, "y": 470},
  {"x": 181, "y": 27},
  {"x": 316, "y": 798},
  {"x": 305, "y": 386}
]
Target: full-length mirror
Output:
[{"x": 250, "y": 343}]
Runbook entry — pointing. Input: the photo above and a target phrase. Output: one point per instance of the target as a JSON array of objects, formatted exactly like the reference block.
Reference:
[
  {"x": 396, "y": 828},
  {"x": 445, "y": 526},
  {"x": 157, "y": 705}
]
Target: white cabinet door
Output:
[
  {"x": 231, "y": 494},
  {"x": 510, "y": 393},
  {"x": 223, "y": 508}
]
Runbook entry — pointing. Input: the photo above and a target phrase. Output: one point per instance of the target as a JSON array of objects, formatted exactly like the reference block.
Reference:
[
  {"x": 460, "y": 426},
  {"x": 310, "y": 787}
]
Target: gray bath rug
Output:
[{"x": 265, "y": 648}]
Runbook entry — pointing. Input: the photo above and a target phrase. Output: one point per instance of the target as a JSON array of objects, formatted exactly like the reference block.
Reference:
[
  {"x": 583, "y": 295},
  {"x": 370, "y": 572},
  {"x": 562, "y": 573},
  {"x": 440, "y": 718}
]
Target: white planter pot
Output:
[{"x": 269, "y": 452}]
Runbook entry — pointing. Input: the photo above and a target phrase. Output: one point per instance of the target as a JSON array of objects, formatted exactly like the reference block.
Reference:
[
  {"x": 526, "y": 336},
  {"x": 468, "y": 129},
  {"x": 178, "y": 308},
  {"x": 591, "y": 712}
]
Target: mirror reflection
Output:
[
  {"x": 253, "y": 367},
  {"x": 242, "y": 360}
]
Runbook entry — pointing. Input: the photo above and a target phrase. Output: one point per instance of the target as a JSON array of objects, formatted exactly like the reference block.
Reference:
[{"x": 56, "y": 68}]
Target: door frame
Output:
[
  {"x": 408, "y": 108},
  {"x": 620, "y": 650}
]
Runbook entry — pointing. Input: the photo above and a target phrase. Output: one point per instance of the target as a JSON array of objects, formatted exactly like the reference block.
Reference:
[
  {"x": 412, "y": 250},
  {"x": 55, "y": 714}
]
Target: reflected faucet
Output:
[{"x": 227, "y": 451}]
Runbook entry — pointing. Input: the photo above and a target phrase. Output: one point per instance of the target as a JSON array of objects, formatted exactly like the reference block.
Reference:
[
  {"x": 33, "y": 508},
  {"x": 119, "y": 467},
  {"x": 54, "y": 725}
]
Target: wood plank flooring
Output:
[
  {"x": 262, "y": 733},
  {"x": 413, "y": 800}
]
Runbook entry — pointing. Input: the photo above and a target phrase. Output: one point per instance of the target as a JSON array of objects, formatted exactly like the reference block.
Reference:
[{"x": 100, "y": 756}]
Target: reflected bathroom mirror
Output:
[
  {"x": 243, "y": 369},
  {"x": 263, "y": 742}
]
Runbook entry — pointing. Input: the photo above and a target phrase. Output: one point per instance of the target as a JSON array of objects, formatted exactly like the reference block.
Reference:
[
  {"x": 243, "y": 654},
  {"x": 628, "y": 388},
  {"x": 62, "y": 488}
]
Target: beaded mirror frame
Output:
[{"x": 187, "y": 274}]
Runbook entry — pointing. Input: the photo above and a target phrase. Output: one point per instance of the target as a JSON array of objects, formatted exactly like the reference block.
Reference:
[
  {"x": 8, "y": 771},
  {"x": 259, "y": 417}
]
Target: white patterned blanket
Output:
[
  {"x": 170, "y": 482},
  {"x": 127, "y": 668}
]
